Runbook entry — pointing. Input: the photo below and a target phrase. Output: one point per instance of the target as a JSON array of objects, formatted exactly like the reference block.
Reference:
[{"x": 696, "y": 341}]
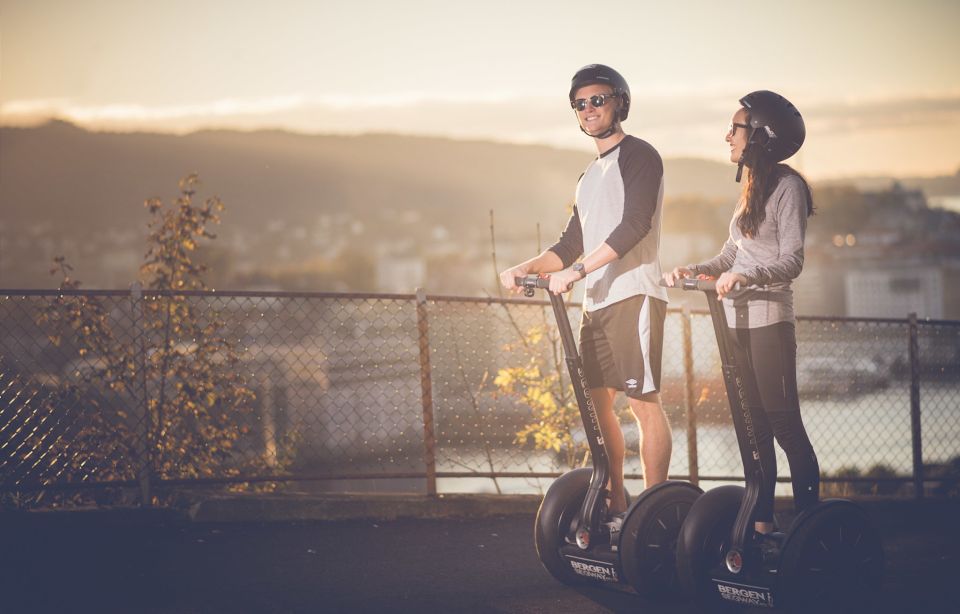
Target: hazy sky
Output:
[{"x": 877, "y": 81}]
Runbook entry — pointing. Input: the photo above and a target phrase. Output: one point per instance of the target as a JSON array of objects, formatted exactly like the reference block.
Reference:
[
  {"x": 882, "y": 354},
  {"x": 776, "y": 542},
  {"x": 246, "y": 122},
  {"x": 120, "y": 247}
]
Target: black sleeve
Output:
[
  {"x": 642, "y": 172},
  {"x": 570, "y": 245}
]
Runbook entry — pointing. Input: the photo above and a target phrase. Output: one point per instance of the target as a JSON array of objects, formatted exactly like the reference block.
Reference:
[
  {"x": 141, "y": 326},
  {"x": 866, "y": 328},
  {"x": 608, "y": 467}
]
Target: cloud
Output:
[
  {"x": 410, "y": 99},
  {"x": 482, "y": 115},
  {"x": 884, "y": 114},
  {"x": 126, "y": 113},
  {"x": 43, "y": 107}
]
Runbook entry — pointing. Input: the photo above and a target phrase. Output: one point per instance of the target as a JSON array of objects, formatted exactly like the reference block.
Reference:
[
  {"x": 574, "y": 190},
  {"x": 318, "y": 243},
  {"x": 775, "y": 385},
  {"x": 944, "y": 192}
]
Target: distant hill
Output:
[
  {"x": 66, "y": 189},
  {"x": 60, "y": 183},
  {"x": 945, "y": 185},
  {"x": 75, "y": 179}
]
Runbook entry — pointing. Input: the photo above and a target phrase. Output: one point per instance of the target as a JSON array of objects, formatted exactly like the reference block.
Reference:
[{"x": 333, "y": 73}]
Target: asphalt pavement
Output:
[{"x": 157, "y": 561}]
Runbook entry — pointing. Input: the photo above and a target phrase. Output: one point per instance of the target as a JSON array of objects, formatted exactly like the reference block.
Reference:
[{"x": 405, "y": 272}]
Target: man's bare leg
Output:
[
  {"x": 656, "y": 442},
  {"x": 613, "y": 442}
]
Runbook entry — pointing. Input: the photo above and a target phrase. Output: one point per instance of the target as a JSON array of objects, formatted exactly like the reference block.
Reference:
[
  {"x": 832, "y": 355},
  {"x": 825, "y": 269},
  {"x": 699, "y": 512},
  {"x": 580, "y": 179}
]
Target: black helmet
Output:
[
  {"x": 598, "y": 73},
  {"x": 776, "y": 125}
]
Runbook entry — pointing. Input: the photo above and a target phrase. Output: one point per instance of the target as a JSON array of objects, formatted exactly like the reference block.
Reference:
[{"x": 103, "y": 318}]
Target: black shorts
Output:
[{"x": 622, "y": 345}]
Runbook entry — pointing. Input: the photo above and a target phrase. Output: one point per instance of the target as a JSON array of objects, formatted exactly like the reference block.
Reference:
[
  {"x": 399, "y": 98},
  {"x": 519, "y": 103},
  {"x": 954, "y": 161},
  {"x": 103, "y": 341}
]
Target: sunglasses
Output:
[
  {"x": 597, "y": 100},
  {"x": 732, "y": 128}
]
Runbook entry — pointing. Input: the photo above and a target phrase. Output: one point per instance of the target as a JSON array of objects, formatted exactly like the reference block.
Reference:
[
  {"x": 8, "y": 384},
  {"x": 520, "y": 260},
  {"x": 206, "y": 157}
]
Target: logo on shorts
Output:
[{"x": 631, "y": 384}]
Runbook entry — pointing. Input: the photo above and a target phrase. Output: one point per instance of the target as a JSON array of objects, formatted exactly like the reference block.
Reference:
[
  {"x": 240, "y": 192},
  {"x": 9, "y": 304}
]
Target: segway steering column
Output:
[{"x": 590, "y": 513}]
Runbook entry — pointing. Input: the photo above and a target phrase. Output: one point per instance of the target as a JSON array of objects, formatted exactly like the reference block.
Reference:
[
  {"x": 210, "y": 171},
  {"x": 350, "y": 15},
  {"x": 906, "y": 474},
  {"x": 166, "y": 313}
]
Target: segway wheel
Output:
[
  {"x": 703, "y": 542},
  {"x": 832, "y": 560},
  {"x": 648, "y": 539},
  {"x": 557, "y": 512}
]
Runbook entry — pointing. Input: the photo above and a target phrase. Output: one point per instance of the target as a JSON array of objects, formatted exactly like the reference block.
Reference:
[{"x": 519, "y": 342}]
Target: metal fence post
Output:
[
  {"x": 689, "y": 398},
  {"x": 144, "y": 468},
  {"x": 268, "y": 422},
  {"x": 915, "y": 408},
  {"x": 426, "y": 389}
]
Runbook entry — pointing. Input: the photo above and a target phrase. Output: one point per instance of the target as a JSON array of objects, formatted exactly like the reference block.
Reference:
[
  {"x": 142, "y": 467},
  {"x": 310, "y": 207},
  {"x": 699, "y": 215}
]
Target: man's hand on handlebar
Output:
[
  {"x": 508, "y": 278},
  {"x": 562, "y": 281}
]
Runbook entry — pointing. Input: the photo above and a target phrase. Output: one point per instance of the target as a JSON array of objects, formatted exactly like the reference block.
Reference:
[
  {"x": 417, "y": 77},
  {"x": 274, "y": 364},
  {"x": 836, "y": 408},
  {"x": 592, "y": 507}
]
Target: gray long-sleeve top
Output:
[{"x": 770, "y": 261}]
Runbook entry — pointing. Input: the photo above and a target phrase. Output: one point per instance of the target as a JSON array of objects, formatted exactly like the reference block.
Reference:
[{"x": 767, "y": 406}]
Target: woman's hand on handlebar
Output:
[
  {"x": 729, "y": 281},
  {"x": 671, "y": 278}
]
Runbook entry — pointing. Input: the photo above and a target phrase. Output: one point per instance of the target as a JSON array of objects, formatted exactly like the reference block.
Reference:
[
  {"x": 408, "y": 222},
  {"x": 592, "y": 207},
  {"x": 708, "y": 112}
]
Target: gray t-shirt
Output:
[
  {"x": 619, "y": 202},
  {"x": 769, "y": 261}
]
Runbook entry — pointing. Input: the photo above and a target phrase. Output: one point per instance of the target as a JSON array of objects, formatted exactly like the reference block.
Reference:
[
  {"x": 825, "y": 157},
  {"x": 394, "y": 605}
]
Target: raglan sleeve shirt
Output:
[
  {"x": 618, "y": 205},
  {"x": 570, "y": 244},
  {"x": 642, "y": 172},
  {"x": 641, "y": 169}
]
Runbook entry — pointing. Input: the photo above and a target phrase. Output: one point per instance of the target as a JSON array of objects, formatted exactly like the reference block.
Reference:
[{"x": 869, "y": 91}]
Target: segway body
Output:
[
  {"x": 575, "y": 538},
  {"x": 640, "y": 555},
  {"x": 831, "y": 559}
]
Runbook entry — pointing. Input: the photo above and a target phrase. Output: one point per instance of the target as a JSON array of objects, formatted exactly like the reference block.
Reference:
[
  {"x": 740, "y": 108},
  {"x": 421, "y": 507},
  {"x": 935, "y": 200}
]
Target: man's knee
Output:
[
  {"x": 651, "y": 397},
  {"x": 645, "y": 402},
  {"x": 649, "y": 414}
]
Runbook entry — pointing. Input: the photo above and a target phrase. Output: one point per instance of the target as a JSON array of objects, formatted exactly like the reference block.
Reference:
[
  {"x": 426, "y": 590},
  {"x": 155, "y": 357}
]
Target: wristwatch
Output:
[{"x": 578, "y": 267}]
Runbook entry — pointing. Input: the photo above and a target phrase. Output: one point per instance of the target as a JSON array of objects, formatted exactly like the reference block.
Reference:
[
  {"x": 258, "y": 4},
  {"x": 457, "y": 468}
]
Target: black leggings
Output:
[{"x": 768, "y": 361}]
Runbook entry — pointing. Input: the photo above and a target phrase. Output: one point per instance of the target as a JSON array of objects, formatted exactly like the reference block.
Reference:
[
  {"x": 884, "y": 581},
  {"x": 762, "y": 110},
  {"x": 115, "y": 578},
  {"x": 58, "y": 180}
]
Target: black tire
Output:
[
  {"x": 648, "y": 539},
  {"x": 703, "y": 542},
  {"x": 558, "y": 509},
  {"x": 832, "y": 560}
]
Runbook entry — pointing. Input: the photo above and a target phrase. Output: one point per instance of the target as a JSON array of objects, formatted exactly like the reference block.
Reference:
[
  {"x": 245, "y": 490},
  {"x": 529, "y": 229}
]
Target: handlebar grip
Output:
[
  {"x": 529, "y": 282},
  {"x": 709, "y": 285},
  {"x": 692, "y": 283},
  {"x": 532, "y": 281}
]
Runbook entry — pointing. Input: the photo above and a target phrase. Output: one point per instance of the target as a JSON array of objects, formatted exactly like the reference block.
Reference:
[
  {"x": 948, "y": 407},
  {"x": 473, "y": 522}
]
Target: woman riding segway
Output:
[{"x": 755, "y": 327}]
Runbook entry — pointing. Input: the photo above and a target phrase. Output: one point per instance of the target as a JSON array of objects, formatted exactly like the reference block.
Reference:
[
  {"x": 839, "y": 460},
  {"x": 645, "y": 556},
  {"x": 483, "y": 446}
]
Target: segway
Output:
[
  {"x": 577, "y": 541},
  {"x": 831, "y": 558}
]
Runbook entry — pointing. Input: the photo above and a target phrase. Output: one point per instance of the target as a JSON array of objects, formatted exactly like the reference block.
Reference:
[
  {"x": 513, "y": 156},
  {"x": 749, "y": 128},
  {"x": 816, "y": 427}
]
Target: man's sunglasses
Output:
[{"x": 597, "y": 100}]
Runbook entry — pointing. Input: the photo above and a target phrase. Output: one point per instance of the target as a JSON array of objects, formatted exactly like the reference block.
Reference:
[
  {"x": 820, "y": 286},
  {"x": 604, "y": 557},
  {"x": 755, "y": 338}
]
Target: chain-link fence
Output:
[{"x": 119, "y": 395}]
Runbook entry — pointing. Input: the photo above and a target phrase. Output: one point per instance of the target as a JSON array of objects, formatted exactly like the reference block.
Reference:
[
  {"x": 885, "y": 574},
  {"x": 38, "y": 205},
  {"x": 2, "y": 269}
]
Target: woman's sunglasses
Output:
[
  {"x": 732, "y": 128},
  {"x": 597, "y": 100}
]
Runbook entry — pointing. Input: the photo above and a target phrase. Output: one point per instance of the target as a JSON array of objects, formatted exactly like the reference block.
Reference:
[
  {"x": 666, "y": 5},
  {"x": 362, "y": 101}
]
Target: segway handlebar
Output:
[
  {"x": 691, "y": 283},
  {"x": 590, "y": 516},
  {"x": 530, "y": 282}
]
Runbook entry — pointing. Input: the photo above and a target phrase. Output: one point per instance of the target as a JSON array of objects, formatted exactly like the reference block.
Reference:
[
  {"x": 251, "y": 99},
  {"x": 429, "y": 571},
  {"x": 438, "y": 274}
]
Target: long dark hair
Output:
[{"x": 764, "y": 173}]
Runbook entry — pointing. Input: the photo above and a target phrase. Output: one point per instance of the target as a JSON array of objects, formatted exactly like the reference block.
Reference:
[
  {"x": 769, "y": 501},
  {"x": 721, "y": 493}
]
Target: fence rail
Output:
[{"x": 125, "y": 393}]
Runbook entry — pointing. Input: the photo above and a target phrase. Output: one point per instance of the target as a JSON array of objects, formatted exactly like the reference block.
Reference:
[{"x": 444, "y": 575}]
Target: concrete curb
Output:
[
  {"x": 285, "y": 508},
  {"x": 294, "y": 507},
  {"x": 301, "y": 507}
]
